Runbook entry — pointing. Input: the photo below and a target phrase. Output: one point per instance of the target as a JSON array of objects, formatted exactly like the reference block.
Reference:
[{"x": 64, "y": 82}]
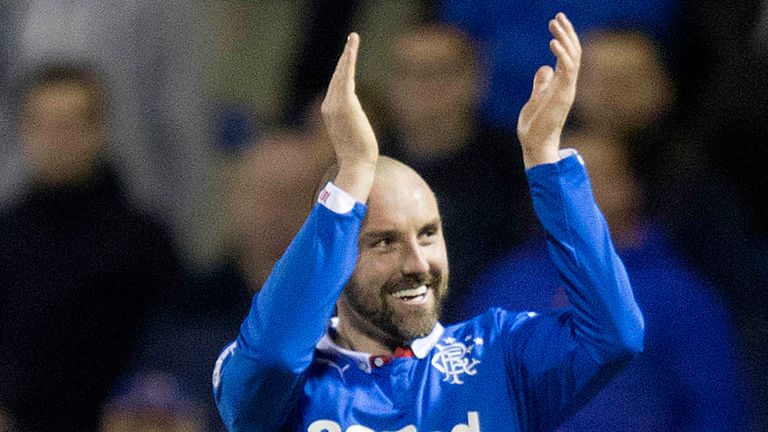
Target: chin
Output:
[{"x": 414, "y": 326}]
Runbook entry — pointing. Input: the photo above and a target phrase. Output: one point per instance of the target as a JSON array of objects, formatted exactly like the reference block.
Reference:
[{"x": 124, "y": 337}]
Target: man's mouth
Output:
[{"x": 413, "y": 296}]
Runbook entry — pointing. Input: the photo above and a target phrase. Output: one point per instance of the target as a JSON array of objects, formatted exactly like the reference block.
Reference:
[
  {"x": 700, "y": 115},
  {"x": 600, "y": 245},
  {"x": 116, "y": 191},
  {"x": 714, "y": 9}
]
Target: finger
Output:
[
  {"x": 569, "y": 30},
  {"x": 350, "y": 63},
  {"x": 339, "y": 72},
  {"x": 541, "y": 81},
  {"x": 565, "y": 64},
  {"x": 558, "y": 31}
]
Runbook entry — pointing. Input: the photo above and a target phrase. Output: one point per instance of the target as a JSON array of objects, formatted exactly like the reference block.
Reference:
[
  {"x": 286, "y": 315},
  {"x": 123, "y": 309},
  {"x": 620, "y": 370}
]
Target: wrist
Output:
[
  {"x": 356, "y": 178},
  {"x": 358, "y": 164},
  {"x": 540, "y": 155}
]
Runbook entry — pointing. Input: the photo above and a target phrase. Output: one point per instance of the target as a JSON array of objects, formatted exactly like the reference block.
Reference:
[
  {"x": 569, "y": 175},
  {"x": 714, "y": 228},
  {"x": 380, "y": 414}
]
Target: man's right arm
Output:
[{"x": 258, "y": 378}]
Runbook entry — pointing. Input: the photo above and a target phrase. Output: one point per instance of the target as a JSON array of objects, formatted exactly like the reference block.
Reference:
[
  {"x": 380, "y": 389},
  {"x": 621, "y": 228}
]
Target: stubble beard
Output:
[{"x": 400, "y": 325}]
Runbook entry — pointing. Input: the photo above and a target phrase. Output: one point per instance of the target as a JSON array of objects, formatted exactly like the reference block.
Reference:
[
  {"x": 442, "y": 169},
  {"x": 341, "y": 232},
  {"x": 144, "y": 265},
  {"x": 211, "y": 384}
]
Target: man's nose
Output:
[{"x": 415, "y": 259}]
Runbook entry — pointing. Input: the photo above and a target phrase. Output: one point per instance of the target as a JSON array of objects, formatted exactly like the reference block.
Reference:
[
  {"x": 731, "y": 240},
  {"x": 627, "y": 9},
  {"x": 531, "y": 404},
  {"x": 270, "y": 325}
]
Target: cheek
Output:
[
  {"x": 374, "y": 270},
  {"x": 439, "y": 255}
]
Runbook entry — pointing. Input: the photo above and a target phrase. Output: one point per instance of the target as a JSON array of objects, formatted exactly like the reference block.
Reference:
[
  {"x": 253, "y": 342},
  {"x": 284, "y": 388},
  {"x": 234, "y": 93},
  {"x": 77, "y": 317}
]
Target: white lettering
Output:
[
  {"x": 324, "y": 426},
  {"x": 409, "y": 428},
  {"x": 472, "y": 425},
  {"x": 358, "y": 428}
]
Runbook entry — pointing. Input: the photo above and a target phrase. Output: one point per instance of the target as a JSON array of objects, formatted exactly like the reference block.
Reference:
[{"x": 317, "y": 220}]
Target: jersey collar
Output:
[{"x": 367, "y": 361}]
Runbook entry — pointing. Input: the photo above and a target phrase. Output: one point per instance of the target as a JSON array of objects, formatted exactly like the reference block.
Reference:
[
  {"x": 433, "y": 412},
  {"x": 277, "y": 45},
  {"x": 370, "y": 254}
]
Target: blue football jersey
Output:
[{"x": 498, "y": 371}]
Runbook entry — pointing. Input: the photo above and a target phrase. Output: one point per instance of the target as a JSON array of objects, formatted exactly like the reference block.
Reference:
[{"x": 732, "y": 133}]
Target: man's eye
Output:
[
  {"x": 382, "y": 243},
  {"x": 429, "y": 231}
]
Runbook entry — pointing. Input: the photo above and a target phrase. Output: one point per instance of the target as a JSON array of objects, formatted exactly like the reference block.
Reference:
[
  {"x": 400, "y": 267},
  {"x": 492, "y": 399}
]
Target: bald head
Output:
[
  {"x": 389, "y": 172},
  {"x": 388, "y": 168},
  {"x": 396, "y": 184}
]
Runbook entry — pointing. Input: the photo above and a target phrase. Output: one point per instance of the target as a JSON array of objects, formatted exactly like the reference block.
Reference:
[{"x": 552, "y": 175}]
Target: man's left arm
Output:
[
  {"x": 563, "y": 359},
  {"x": 578, "y": 236}
]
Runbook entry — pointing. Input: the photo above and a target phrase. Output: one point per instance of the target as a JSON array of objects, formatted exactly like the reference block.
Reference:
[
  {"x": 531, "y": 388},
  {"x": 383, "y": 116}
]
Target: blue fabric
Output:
[
  {"x": 498, "y": 371},
  {"x": 514, "y": 39},
  {"x": 258, "y": 377},
  {"x": 687, "y": 378}
]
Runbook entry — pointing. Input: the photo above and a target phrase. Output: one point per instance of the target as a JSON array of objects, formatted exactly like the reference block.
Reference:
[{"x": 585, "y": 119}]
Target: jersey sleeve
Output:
[
  {"x": 559, "y": 360},
  {"x": 258, "y": 377}
]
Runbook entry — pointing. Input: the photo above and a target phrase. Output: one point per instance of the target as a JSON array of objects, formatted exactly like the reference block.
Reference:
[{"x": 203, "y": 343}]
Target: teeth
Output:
[{"x": 411, "y": 292}]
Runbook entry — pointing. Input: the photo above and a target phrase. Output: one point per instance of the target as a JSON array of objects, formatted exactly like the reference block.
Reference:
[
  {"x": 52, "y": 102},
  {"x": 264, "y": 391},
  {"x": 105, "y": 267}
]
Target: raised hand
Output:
[
  {"x": 542, "y": 118},
  {"x": 348, "y": 127}
]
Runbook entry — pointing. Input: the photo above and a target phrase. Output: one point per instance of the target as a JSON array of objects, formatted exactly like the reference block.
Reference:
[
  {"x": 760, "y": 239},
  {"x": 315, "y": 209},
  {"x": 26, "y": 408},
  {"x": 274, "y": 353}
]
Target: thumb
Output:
[{"x": 541, "y": 81}]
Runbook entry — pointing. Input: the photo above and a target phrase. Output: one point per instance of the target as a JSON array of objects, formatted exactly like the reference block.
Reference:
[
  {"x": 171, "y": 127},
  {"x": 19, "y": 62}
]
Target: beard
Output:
[{"x": 402, "y": 325}]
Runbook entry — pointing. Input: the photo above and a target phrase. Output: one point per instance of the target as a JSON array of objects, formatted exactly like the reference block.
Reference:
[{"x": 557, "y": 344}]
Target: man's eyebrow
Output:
[
  {"x": 379, "y": 234},
  {"x": 433, "y": 224}
]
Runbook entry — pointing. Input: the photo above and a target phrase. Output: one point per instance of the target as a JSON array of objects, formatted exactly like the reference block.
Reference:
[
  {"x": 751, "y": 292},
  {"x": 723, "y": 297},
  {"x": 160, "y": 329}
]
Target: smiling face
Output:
[{"x": 401, "y": 277}]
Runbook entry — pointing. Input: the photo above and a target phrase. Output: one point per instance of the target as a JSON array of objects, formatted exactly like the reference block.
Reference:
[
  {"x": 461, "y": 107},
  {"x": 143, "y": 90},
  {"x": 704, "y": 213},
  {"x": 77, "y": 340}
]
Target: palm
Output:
[
  {"x": 542, "y": 118},
  {"x": 347, "y": 125}
]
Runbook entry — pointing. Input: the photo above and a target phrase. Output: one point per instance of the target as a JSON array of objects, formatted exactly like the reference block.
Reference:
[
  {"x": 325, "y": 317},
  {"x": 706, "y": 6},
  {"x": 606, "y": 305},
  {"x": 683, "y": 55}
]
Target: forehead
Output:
[
  {"x": 400, "y": 200},
  {"x": 429, "y": 49},
  {"x": 59, "y": 97},
  {"x": 632, "y": 52}
]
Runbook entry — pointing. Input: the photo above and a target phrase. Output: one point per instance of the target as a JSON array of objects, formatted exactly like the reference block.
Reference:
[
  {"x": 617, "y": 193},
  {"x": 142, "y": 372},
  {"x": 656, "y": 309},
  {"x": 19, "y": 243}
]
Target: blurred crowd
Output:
[{"x": 156, "y": 158}]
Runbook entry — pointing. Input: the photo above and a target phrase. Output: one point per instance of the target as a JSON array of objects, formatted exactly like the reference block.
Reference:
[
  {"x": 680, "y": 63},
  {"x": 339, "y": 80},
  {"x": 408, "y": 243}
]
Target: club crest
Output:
[{"x": 453, "y": 358}]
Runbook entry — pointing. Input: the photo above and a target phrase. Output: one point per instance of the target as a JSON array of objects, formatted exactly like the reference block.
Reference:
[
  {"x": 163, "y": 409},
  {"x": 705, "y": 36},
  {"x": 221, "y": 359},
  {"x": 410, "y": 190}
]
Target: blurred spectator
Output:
[
  {"x": 325, "y": 25},
  {"x": 624, "y": 85},
  {"x": 79, "y": 266},
  {"x": 510, "y": 34},
  {"x": 152, "y": 55},
  {"x": 268, "y": 194},
  {"x": 152, "y": 402},
  {"x": 688, "y": 377},
  {"x": 433, "y": 91}
]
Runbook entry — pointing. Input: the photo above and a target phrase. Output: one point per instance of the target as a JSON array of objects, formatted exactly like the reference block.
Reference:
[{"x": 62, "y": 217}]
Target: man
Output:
[
  {"x": 152, "y": 53},
  {"x": 386, "y": 363},
  {"x": 79, "y": 266}
]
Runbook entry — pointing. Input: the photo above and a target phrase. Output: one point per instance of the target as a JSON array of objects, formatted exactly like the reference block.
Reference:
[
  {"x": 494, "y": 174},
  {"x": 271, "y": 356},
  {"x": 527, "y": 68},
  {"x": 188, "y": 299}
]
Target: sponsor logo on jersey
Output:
[
  {"x": 472, "y": 425},
  {"x": 454, "y": 359}
]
